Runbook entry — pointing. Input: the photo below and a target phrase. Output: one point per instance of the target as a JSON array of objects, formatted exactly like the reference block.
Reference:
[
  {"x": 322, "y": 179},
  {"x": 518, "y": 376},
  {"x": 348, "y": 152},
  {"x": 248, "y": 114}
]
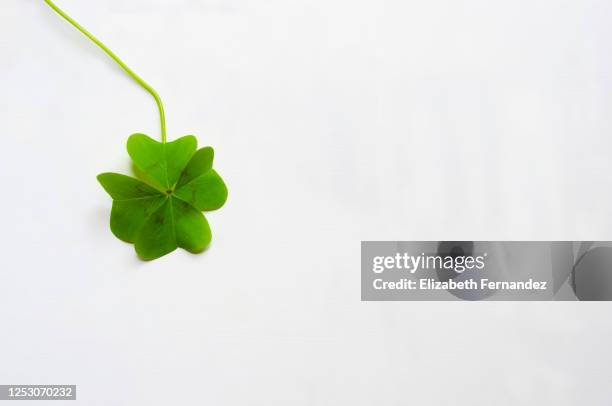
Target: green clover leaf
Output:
[{"x": 162, "y": 210}]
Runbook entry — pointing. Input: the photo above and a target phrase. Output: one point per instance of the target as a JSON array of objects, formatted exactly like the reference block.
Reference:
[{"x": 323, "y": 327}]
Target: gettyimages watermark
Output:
[{"x": 486, "y": 270}]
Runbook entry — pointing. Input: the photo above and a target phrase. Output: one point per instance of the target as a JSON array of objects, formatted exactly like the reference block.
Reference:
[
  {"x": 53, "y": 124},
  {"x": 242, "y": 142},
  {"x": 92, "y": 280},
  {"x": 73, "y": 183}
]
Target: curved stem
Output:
[{"x": 130, "y": 72}]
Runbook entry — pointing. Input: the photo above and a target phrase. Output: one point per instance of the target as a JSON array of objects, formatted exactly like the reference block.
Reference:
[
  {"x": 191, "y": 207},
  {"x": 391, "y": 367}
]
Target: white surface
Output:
[{"x": 333, "y": 121}]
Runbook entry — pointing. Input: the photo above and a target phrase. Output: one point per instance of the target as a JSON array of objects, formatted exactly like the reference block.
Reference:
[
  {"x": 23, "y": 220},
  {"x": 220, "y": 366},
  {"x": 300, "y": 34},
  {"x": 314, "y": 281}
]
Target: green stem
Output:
[{"x": 130, "y": 72}]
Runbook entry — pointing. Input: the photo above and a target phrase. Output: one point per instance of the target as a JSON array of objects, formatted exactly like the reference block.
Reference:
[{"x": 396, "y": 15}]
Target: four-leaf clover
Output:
[{"x": 162, "y": 210}]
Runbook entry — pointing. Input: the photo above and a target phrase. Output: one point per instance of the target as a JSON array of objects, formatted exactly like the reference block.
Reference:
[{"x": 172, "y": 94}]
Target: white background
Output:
[{"x": 333, "y": 121}]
